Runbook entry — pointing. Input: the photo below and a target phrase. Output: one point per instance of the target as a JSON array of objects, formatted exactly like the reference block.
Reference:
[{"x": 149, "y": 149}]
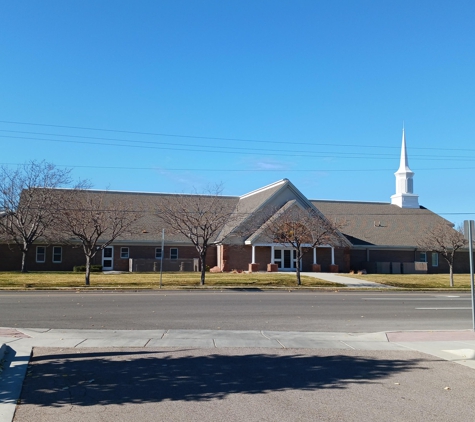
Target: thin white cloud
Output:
[{"x": 269, "y": 164}]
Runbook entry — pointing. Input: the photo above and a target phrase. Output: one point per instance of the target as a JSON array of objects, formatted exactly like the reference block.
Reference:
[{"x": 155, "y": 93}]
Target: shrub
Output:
[{"x": 82, "y": 268}]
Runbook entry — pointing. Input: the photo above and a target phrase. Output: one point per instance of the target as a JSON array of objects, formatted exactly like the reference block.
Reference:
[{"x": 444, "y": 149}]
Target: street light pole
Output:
[
  {"x": 470, "y": 251},
  {"x": 161, "y": 256}
]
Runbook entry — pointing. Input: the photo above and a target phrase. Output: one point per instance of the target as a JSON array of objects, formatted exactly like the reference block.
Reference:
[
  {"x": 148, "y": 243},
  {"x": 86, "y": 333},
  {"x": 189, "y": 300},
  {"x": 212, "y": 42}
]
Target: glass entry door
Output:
[
  {"x": 108, "y": 258},
  {"x": 284, "y": 258}
]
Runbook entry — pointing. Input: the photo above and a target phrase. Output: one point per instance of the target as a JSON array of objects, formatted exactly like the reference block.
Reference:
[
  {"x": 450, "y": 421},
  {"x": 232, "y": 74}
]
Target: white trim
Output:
[
  {"x": 44, "y": 255},
  {"x": 161, "y": 252},
  {"x": 253, "y": 254},
  {"x": 218, "y": 256},
  {"x": 111, "y": 258},
  {"x": 281, "y": 245},
  {"x": 272, "y": 185},
  {"x": 281, "y": 260},
  {"x": 121, "y": 252}
]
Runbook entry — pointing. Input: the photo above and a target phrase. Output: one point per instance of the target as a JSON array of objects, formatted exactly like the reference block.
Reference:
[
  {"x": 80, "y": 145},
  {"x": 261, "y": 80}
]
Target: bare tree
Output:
[
  {"x": 302, "y": 229},
  {"x": 96, "y": 219},
  {"x": 199, "y": 218},
  {"x": 445, "y": 240},
  {"x": 27, "y": 202}
]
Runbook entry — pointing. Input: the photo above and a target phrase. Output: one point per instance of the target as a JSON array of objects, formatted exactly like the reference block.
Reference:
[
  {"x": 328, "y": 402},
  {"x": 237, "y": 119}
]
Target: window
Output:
[
  {"x": 278, "y": 257},
  {"x": 40, "y": 253},
  {"x": 124, "y": 253},
  {"x": 158, "y": 253},
  {"x": 423, "y": 257},
  {"x": 57, "y": 254},
  {"x": 435, "y": 259},
  {"x": 173, "y": 253}
]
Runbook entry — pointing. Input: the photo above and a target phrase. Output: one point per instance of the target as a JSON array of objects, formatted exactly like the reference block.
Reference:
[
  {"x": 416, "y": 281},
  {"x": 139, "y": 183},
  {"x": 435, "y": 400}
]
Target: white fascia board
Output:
[
  {"x": 272, "y": 185},
  {"x": 281, "y": 245}
]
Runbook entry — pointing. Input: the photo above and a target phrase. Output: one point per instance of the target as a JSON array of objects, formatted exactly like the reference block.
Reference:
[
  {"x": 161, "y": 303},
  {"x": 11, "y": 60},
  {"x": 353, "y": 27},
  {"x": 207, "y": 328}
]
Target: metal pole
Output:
[
  {"x": 161, "y": 256},
  {"x": 470, "y": 249}
]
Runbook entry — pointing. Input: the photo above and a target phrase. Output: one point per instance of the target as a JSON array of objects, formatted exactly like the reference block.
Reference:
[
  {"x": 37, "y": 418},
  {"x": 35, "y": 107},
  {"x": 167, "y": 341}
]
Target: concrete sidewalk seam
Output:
[
  {"x": 264, "y": 335},
  {"x": 346, "y": 344}
]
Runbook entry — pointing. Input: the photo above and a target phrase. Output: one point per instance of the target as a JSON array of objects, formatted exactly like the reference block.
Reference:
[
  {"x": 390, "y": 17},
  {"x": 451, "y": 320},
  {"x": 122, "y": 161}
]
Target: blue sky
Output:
[{"x": 174, "y": 96}]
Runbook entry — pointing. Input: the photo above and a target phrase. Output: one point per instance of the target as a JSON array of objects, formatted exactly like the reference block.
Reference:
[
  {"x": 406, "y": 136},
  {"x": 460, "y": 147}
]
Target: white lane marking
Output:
[
  {"x": 437, "y": 309},
  {"x": 414, "y": 299}
]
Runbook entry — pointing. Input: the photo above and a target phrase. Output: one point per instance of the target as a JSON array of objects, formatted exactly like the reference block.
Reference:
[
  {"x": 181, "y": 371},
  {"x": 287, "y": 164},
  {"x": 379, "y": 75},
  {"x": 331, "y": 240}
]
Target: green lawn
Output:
[
  {"x": 417, "y": 281},
  {"x": 48, "y": 280}
]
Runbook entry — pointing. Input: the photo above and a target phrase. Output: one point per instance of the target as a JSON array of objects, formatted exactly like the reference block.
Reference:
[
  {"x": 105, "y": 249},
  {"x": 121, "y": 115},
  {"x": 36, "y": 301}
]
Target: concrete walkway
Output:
[
  {"x": 347, "y": 281},
  {"x": 17, "y": 344}
]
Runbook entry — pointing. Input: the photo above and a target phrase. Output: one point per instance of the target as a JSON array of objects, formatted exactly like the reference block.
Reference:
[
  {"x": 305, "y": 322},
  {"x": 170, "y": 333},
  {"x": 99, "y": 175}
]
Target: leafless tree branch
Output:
[
  {"x": 198, "y": 218},
  {"x": 27, "y": 202},
  {"x": 445, "y": 240},
  {"x": 95, "y": 219}
]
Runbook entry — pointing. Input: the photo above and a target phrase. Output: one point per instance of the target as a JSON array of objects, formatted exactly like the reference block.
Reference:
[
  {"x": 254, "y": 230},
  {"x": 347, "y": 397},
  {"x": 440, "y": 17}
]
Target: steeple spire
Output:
[
  {"x": 404, "y": 162},
  {"x": 404, "y": 197}
]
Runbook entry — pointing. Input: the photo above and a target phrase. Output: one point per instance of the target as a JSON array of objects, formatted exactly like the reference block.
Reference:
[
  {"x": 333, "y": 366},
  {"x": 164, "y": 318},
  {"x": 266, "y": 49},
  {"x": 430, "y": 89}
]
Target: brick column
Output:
[
  {"x": 253, "y": 268},
  {"x": 316, "y": 268}
]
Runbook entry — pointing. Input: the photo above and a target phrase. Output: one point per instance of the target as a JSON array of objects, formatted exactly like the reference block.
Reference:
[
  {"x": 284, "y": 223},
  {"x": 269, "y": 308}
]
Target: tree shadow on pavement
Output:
[{"x": 85, "y": 378}]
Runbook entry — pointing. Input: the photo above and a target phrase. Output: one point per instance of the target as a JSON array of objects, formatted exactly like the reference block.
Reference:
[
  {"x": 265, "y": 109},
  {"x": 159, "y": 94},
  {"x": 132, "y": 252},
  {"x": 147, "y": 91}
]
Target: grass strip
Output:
[
  {"x": 51, "y": 280},
  {"x": 417, "y": 281}
]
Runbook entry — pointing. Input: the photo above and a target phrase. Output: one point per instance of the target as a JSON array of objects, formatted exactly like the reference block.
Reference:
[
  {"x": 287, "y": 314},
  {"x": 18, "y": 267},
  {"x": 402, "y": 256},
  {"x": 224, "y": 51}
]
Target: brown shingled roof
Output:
[
  {"x": 382, "y": 224},
  {"x": 148, "y": 229}
]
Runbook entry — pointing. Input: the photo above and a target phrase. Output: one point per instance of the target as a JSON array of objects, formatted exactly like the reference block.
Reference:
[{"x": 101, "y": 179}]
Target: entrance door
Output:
[
  {"x": 288, "y": 261},
  {"x": 108, "y": 258},
  {"x": 285, "y": 259}
]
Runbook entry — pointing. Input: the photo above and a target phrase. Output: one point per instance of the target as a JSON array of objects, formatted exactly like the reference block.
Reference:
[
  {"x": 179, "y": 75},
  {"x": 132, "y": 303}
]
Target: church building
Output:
[{"x": 376, "y": 237}]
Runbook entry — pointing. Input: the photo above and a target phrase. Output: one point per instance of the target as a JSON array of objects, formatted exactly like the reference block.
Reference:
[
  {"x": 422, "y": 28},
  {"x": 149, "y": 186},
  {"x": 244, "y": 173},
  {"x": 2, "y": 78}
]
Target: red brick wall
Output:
[
  {"x": 236, "y": 257},
  {"x": 10, "y": 258},
  {"x": 358, "y": 260},
  {"x": 148, "y": 252},
  {"x": 239, "y": 258}
]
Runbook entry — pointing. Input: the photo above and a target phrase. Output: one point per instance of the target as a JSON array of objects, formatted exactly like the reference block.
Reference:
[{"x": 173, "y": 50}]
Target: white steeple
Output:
[{"x": 404, "y": 196}]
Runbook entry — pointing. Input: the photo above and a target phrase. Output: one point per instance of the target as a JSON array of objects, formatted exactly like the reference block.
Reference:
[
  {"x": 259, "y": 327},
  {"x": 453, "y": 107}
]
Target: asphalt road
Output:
[
  {"x": 237, "y": 310},
  {"x": 243, "y": 385}
]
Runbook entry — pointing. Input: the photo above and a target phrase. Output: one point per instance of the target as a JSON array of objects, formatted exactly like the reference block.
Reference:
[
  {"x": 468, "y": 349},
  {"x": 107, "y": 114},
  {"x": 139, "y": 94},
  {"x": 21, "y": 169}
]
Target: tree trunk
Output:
[
  {"x": 451, "y": 275},
  {"x": 203, "y": 268},
  {"x": 23, "y": 261},
  {"x": 297, "y": 267},
  {"x": 88, "y": 269}
]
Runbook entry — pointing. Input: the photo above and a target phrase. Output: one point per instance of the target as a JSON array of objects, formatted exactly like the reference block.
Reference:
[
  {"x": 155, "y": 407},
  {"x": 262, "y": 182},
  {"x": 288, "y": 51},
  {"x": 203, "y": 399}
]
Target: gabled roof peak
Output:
[{"x": 272, "y": 185}]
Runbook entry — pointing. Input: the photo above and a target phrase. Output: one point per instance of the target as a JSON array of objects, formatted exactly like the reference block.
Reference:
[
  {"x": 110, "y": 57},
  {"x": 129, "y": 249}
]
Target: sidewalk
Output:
[
  {"x": 454, "y": 346},
  {"x": 348, "y": 281}
]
